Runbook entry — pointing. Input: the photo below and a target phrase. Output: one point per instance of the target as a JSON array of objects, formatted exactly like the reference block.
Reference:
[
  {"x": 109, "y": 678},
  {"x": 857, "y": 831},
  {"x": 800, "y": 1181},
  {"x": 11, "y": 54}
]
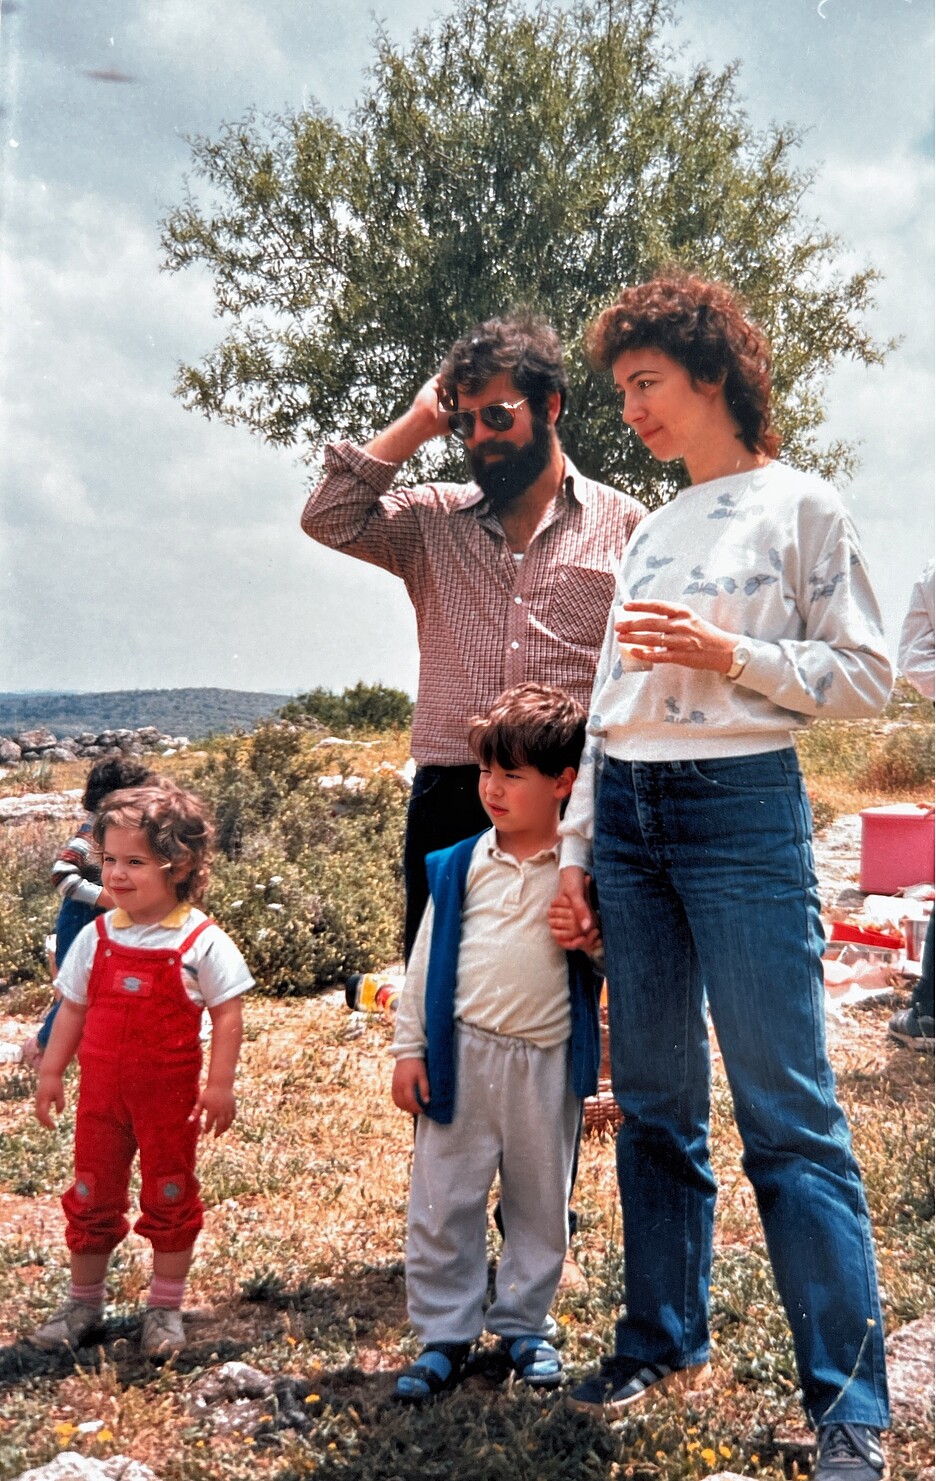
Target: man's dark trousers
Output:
[{"x": 444, "y": 808}]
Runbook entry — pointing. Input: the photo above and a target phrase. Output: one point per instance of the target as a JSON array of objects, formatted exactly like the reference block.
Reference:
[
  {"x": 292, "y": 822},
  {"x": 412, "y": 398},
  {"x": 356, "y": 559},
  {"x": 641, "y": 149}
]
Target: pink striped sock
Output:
[
  {"x": 165, "y": 1292},
  {"x": 92, "y": 1295}
]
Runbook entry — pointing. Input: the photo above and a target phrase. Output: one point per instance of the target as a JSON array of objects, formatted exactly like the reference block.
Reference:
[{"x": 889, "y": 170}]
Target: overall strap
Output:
[
  {"x": 99, "y": 927},
  {"x": 193, "y": 936}
]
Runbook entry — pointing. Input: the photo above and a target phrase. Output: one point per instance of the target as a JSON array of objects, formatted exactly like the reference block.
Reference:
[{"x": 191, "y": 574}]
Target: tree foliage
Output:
[
  {"x": 362, "y": 707},
  {"x": 512, "y": 155}
]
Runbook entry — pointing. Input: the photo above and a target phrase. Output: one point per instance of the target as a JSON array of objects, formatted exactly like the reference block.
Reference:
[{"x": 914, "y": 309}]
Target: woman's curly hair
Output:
[
  {"x": 704, "y": 326},
  {"x": 178, "y": 829}
]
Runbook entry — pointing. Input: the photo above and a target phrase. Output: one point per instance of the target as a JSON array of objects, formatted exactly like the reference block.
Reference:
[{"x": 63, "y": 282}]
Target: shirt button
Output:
[
  {"x": 515, "y": 645},
  {"x": 518, "y": 600}
]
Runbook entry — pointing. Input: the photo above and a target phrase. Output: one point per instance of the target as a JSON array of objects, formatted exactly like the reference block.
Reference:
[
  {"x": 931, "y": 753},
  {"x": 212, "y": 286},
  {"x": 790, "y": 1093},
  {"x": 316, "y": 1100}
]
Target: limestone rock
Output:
[
  {"x": 229, "y": 1381},
  {"x": 40, "y": 739},
  {"x": 70, "y": 1466}
]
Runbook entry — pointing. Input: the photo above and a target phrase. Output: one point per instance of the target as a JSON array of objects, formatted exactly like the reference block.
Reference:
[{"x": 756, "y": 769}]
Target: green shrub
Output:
[
  {"x": 372, "y": 707},
  {"x": 28, "y": 903},
  {"x": 903, "y": 759},
  {"x": 838, "y": 749},
  {"x": 308, "y": 878},
  {"x": 306, "y": 924}
]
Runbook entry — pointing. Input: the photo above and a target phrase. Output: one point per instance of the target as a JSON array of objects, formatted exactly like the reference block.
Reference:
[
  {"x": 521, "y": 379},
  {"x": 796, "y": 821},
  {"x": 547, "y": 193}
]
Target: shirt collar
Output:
[
  {"x": 497, "y": 853},
  {"x": 177, "y": 917}
]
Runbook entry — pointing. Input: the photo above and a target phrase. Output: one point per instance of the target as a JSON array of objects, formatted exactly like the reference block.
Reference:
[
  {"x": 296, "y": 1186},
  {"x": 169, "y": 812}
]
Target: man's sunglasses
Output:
[{"x": 499, "y": 416}]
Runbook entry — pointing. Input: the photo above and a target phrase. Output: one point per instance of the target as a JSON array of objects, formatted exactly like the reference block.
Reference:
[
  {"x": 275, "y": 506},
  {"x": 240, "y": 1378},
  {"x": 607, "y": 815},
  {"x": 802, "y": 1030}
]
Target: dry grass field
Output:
[{"x": 299, "y": 1273}]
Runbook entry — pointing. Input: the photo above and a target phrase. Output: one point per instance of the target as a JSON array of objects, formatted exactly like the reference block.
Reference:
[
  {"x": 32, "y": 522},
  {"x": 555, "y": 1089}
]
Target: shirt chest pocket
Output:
[{"x": 578, "y": 600}]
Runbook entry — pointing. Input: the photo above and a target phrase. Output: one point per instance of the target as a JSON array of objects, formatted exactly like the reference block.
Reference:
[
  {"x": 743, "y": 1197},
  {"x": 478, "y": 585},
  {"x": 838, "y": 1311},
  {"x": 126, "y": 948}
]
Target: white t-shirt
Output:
[{"x": 213, "y": 969}]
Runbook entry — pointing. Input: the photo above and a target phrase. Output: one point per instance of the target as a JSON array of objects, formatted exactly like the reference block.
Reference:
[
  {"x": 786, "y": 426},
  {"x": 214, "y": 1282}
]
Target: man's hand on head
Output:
[
  {"x": 425, "y": 418},
  {"x": 427, "y": 404}
]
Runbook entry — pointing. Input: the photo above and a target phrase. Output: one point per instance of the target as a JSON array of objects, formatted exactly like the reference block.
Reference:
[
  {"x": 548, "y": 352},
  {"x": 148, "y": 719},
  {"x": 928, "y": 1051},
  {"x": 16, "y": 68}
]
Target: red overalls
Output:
[{"x": 140, "y": 1058}]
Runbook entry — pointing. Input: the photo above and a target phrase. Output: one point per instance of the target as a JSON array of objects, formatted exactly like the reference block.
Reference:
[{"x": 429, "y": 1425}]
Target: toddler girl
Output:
[
  {"x": 133, "y": 988},
  {"x": 76, "y": 875}
]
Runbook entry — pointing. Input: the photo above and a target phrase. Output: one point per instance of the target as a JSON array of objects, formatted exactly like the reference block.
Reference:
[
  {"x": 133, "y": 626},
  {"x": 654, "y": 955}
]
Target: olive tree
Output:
[{"x": 512, "y": 155}]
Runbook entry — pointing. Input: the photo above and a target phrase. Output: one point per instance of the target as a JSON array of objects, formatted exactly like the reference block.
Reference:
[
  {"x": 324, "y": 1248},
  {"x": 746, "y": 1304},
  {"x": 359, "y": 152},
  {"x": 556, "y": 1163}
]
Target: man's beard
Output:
[{"x": 511, "y": 473}]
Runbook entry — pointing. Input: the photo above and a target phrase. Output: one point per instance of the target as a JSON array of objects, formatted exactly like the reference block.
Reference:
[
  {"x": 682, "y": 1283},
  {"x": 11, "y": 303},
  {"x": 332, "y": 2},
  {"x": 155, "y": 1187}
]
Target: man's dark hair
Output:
[
  {"x": 524, "y": 346},
  {"x": 112, "y": 774},
  {"x": 531, "y": 725}
]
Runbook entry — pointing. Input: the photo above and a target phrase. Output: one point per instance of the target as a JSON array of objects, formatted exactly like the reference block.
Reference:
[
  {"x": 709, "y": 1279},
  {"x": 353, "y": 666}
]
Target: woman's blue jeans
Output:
[{"x": 707, "y": 890}]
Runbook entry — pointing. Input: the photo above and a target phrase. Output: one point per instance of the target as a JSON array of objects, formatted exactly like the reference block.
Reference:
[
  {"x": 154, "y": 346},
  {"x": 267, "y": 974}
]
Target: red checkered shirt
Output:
[{"x": 485, "y": 619}]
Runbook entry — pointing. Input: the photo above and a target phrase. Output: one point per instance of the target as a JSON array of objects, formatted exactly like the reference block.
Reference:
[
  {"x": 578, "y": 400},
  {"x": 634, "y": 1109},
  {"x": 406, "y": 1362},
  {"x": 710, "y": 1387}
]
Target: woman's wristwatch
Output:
[{"x": 739, "y": 659}]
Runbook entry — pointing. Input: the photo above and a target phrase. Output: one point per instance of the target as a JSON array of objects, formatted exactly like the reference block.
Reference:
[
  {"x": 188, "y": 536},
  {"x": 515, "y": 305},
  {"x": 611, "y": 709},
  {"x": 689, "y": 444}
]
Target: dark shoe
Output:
[
  {"x": 910, "y": 1028},
  {"x": 534, "y": 1360},
  {"x": 622, "y": 1381},
  {"x": 71, "y": 1325},
  {"x": 849, "y": 1452},
  {"x": 439, "y": 1368}
]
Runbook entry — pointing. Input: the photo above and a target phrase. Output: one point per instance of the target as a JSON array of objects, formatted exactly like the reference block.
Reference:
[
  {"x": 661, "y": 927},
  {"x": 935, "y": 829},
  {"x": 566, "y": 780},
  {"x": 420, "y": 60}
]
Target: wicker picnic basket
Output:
[{"x": 601, "y": 1114}]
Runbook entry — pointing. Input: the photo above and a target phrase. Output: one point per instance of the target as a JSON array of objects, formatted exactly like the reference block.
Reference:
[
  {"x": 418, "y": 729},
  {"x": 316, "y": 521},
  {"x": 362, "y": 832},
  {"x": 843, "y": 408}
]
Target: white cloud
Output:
[{"x": 220, "y": 38}]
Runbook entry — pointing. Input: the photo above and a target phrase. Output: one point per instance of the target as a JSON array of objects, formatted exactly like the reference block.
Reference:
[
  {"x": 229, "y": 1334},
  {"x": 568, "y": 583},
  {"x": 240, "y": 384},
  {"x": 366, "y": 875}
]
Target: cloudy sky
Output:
[{"x": 143, "y": 546}]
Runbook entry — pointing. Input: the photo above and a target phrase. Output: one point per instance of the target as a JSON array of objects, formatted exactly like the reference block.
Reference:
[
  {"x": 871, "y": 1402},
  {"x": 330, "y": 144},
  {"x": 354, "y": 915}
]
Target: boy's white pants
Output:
[{"x": 515, "y": 1114}]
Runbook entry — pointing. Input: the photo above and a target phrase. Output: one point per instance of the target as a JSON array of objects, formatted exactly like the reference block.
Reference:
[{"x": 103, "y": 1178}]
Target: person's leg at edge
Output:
[
  {"x": 660, "y": 1075},
  {"x": 745, "y": 874},
  {"x": 922, "y": 1000}
]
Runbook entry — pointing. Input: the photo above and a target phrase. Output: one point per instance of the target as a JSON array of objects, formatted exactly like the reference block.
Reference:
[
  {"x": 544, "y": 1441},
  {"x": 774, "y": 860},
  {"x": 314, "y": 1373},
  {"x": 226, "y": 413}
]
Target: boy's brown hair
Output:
[
  {"x": 531, "y": 725},
  {"x": 178, "y": 829}
]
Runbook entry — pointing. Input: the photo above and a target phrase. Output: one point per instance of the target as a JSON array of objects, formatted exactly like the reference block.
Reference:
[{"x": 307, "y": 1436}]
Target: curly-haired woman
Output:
[{"x": 746, "y": 612}]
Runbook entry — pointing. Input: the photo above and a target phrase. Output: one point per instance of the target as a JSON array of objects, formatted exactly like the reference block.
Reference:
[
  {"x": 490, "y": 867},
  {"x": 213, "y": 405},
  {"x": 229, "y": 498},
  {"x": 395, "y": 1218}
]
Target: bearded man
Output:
[{"x": 509, "y": 574}]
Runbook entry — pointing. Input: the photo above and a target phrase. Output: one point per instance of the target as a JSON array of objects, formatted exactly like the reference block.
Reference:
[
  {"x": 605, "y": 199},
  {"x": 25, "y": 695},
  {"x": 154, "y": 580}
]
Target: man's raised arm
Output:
[{"x": 344, "y": 511}]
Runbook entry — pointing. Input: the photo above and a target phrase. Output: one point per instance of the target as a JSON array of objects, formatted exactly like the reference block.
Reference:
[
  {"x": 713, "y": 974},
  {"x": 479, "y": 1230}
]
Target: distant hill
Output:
[{"x": 191, "y": 712}]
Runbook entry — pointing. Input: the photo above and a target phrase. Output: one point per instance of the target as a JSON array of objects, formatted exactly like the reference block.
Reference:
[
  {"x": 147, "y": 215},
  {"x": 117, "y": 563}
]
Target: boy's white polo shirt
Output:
[
  {"x": 213, "y": 968},
  {"x": 512, "y": 977}
]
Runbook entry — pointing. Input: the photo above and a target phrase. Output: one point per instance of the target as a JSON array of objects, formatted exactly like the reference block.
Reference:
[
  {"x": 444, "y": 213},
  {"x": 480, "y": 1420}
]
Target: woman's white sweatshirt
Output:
[{"x": 771, "y": 555}]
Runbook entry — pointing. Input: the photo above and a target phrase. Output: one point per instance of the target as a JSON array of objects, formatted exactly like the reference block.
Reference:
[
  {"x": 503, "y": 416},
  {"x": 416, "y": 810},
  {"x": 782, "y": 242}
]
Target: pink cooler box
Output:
[{"x": 896, "y": 847}]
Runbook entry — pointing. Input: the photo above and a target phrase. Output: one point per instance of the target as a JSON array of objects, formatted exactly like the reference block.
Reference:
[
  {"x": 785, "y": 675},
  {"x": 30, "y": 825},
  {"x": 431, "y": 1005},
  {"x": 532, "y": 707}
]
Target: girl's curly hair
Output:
[
  {"x": 178, "y": 829},
  {"x": 703, "y": 326}
]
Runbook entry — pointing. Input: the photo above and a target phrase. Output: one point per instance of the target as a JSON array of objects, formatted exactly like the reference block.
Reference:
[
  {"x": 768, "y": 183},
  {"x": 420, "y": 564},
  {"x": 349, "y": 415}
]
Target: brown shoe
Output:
[
  {"x": 69, "y": 1327},
  {"x": 163, "y": 1332}
]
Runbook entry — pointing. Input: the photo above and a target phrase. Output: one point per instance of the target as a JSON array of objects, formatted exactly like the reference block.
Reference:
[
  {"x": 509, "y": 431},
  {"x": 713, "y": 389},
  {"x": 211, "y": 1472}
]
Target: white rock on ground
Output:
[
  {"x": 910, "y": 1360},
  {"x": 70, "y": 1466}
]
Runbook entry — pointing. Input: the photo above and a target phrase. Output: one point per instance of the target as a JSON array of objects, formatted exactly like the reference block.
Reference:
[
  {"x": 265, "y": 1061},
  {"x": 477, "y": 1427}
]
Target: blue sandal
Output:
[
  {"x": 534, "y": 1360},
  {"x": 439, "y": 1368}
]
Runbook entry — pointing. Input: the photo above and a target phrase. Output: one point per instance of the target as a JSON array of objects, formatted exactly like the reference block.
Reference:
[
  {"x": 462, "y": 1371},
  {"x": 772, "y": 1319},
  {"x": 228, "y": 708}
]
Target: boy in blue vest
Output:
[{"x": 496, "y": 1044}]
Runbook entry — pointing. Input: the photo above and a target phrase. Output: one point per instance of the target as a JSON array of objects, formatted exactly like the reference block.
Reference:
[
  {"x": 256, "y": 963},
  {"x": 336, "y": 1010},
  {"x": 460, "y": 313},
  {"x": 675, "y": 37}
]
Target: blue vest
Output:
[{"x": 448, "y": 870}]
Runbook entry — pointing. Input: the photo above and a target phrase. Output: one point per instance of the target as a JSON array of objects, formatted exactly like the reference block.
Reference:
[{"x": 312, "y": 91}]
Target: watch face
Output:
[{"x": 739, "y": 658}]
